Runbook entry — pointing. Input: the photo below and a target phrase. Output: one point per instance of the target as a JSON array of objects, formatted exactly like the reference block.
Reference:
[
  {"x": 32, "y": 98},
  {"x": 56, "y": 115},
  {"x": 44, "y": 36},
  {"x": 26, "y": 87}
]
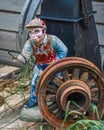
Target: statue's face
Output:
[{"x": 36, "y": 34}]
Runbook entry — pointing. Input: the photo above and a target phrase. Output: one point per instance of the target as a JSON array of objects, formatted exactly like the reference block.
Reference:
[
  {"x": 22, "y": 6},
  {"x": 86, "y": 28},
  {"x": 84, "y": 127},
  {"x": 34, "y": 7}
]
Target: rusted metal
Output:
[
  {"x": 85, "y": 11},
  {"x": 76, "y": 91},
  {"x": 70, "y": 79}
]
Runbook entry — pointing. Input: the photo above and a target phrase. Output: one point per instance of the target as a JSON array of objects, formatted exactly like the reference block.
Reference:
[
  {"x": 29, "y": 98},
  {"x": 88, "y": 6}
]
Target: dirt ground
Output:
[{"x": 13, "y": 100}]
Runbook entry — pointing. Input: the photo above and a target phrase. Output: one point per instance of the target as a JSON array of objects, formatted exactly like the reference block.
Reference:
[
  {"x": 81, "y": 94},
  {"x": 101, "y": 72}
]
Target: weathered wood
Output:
[
  {"x": 12, "y": 101},
  {"x": 8, "y": 40},
  {"x": 9, "y": 112},
  {"x": 9, "y": 21},
  {"x": 84, "y": 76},
  {"x": 8, "y": 69},
  {"x": 6, "y": 59},
  {"x": 98, "y": 0},
  {"x": 9, "y": 116},
  {"x": 66, "y": 76},
  {"x": 57, "y": 81},
  {"x": 4, "y": 56},
  {"x": 100, "y": 30},
  {"x": 75, "y": 74},
  {"x": 99, "y": 19},
  {"x": 99, "y": 7},
  {"x": 20, "y": 125},
  {"x": 11, "y": 5}
]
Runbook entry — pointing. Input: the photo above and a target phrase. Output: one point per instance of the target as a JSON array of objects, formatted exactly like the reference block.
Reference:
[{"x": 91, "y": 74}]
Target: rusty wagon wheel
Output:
[{"x": 73, "y": 80}]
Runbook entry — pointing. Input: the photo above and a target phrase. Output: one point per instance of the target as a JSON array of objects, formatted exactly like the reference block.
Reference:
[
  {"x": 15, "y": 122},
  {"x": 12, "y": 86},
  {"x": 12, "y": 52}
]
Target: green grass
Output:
[{"x": 84, "y": 124}]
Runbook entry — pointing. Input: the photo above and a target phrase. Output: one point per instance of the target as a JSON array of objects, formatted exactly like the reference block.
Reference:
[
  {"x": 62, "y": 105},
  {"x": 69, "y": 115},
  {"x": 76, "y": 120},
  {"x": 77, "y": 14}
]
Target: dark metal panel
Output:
[
  {"x": 80, "y": 41},
  {"x": 86, "y": 43},
  {"x": 64, "y": 31},
  {"x": 63, "y": 8}
]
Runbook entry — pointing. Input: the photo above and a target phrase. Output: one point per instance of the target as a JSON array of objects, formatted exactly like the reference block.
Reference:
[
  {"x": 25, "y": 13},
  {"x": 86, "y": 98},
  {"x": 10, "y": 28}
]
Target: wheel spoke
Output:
[
  {"x": 84, "y": 77},
  {"x": 51, "y": 97},
  {"x": 66, "y": 76},
  {"x": 91, "y": 83},
  {"x": 58, "y": 81},
  {"x": 95, "y": 100},
  {"x": 75, "y": 74},
  {"x": 59, "y": 114},
  {"x": 89, "y": 112},
  {"x": 51, "y": 89},
  {"x": 53, "y": 107},
  {"x": 95, "y": 90}
]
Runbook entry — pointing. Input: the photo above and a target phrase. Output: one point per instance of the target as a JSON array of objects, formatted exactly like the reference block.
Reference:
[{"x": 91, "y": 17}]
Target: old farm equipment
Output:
[
  {"x": 72, "y": 79},
  {"x": 80, "y": 82}
]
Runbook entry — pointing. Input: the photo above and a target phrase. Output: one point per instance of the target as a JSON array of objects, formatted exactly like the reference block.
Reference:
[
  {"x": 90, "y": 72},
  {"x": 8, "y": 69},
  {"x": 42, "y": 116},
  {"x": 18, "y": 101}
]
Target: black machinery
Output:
[{"x": 71, "y": 20}]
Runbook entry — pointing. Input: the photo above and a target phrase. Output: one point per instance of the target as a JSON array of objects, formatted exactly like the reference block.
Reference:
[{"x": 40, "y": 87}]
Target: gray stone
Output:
[{"x": 31, "y": 114}]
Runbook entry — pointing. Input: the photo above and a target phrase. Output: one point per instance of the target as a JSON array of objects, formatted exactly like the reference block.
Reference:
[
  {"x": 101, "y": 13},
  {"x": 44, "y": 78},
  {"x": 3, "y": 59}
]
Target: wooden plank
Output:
[
  {"x": 7, "y": 70},
  {"x": 10, "y": 110},
  {"x": 9, "y": 21},
  {"x": 100, "y": 30},
  {"x": 7, "y": 60},
  {"x": 11, "y": 5},
  {"x": 15, "y": 124},
  {"x": 19, "y": 125},
  {"x": 98, "y": 0},
  {"x": 4, "y": 56},
  {"x": 99, "y": 7},
  {"x": 8, "y": 40},
  {"x": 12, "y": 101},
  {"x": 11, "y": 116}
]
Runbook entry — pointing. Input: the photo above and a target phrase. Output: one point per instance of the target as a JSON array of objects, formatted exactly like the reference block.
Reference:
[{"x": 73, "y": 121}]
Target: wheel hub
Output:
[{"x": 76, "y": 92}]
